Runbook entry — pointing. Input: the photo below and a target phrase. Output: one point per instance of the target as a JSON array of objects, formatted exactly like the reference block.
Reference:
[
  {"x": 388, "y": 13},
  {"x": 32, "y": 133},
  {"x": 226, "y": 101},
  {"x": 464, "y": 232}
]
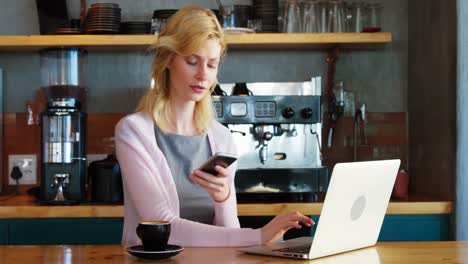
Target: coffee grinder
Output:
[{"x": 63, "y": 126}]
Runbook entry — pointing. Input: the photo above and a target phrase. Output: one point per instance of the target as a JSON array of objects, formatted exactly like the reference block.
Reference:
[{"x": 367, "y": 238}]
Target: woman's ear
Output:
[{"x": 170, "y": 61}]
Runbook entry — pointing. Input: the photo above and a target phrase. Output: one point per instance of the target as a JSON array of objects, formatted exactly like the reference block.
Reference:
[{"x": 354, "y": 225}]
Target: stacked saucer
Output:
[
  {"x": 103, "y": 18},
  {"x": 160, "y": 17},
  {"x": 267, "y": 12},
  {"x": 72, "y": 27},
  {"x": 67, "y": 31},
  {"x": 134, "y": 27}
]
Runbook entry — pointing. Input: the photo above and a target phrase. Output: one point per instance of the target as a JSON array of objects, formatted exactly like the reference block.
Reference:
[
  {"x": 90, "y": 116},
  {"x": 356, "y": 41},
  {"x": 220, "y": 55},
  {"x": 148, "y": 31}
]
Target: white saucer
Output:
[{"x": 140, "y": 253}]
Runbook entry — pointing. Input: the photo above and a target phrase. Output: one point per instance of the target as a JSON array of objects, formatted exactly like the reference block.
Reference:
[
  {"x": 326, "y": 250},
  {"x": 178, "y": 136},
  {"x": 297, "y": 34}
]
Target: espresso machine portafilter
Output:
[{"x": 63, "y": 126}]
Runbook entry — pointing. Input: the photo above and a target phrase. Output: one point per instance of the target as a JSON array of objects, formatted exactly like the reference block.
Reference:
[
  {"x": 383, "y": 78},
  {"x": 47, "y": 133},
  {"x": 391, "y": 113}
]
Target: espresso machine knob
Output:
[
  {"x": 306, "y": 113},
  {"x": 267, "y": 136},
  {"x": 288, "y": 112}
]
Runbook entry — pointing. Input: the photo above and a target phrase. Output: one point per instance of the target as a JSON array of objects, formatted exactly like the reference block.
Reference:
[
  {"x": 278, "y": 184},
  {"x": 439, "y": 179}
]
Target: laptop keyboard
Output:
[{"x": 297, "y": 249}]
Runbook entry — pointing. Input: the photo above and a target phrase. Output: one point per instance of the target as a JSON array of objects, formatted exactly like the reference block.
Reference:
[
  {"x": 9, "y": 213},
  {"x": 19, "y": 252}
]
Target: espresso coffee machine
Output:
[
  {"x": 277, "y": 130},
  {"x": 63, "y": 126}
]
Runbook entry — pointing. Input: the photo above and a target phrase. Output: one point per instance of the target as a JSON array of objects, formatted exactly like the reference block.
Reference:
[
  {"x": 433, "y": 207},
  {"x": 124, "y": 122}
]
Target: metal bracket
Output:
[{"x": 335, "y": 109}]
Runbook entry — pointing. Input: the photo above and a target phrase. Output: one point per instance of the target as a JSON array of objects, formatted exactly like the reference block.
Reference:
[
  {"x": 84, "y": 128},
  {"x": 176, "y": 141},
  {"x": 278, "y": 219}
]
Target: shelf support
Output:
[
  {"x": 335, "y": 108},
  {"x": 82, "y": 13}
]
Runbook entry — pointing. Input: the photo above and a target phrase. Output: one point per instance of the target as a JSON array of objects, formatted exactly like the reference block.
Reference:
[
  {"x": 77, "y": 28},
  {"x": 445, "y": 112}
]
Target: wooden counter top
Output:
[
  {"x": 25, "y": 207},
  {"x": 382, "y": 253}
]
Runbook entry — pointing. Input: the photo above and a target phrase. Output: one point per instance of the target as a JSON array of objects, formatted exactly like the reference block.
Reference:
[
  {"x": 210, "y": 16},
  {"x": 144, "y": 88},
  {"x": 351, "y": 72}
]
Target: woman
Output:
[{"x": 174, "y": 131}]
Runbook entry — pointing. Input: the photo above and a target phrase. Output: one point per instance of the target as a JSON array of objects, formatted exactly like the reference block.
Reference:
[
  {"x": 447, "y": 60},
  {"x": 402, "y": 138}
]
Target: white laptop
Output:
[{"x": 352, "y": 213}]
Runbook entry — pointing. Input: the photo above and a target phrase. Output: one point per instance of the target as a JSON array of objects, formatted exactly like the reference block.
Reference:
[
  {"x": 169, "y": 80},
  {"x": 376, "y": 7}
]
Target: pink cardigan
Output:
[{"x": 150, "y": 192}]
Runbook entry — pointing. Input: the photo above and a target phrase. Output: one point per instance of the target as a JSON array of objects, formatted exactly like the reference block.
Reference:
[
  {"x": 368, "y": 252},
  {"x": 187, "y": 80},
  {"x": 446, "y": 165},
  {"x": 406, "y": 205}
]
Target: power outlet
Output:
[{"x": 27, "y": 165}]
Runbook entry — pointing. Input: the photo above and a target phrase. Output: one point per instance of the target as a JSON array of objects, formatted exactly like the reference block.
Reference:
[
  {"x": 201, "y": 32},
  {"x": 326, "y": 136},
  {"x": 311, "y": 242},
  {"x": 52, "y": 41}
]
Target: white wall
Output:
[{"x": 11, "y": 14}]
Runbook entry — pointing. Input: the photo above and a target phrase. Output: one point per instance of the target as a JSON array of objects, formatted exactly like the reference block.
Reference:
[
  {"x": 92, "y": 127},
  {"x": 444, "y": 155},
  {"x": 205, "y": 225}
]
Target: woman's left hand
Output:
[{"x": 216, "y": 186}]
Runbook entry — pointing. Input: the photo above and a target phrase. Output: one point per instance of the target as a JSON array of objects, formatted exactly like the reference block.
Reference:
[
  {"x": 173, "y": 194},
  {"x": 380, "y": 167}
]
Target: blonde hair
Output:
[{"x": 185, "y": 33}]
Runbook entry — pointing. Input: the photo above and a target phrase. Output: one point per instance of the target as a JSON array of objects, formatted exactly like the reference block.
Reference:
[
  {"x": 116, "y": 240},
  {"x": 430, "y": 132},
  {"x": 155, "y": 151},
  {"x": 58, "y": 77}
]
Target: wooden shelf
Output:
[
  {"x": 38, "y": 211},
  {"x": 24, "y": 207},
  {"x": 90, "y": 42},
  {"x": 236, "y": 41},
  {"x": 307, "y": 40},
  {"x": 394, "y": 208}
]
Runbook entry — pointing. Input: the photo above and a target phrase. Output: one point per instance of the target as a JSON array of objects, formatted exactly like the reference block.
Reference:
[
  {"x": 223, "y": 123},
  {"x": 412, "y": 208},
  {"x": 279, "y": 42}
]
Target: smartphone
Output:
[{"x": 221, "y": 159}]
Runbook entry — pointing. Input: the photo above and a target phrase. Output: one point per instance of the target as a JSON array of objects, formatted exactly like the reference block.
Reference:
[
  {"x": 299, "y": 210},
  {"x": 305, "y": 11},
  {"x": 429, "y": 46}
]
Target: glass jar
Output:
[
  {"x": 63, "y": 66},
  {"x": 374, "y": 18},
  {"x": 336, "y": 20},
  {"x": 358, "y": 17}
]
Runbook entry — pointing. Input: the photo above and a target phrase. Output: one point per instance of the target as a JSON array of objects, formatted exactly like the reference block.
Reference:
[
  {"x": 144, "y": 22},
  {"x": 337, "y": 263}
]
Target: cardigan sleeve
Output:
[
  {"x": 144, "y": 183},
  {"x": 226, "y": 212}
]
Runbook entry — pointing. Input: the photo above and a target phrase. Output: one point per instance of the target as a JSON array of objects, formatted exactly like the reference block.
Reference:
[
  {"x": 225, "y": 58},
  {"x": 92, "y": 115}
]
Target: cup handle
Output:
[{"x": 138, "y": 230}]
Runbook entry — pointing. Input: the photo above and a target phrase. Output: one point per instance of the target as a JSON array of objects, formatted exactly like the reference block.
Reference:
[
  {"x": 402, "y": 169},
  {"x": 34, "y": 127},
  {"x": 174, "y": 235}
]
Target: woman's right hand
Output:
[{"x": 282, "y": 223}]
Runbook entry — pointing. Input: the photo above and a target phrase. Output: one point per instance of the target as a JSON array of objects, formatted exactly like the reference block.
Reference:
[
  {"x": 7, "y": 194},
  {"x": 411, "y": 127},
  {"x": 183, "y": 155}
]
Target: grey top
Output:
[{"x": 184, "y": 154}]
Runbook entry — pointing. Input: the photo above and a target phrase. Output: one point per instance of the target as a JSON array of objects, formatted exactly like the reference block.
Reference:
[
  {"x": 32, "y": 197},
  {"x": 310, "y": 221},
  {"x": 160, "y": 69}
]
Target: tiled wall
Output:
[{"x": 386, "y": 138}]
